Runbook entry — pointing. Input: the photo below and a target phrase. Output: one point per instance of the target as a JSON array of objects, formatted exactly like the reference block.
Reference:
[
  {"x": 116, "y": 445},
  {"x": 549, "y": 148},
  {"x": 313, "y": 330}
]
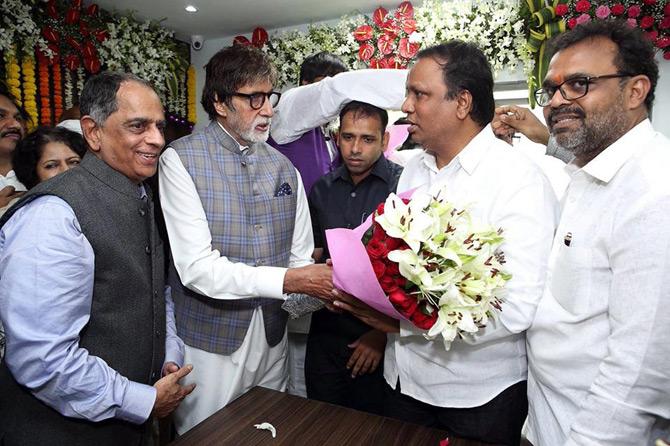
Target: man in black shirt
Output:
[{"x": 342, "y": 364}]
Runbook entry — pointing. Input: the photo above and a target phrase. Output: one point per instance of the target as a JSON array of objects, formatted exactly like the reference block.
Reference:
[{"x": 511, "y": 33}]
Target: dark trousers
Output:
[
  {"x": 497, "y": 422},
  {"x": 328, "y": 379}
]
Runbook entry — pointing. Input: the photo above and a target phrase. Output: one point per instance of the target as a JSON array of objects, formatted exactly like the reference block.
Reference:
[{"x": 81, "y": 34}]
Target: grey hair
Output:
[{"x": 98, "y": 97}]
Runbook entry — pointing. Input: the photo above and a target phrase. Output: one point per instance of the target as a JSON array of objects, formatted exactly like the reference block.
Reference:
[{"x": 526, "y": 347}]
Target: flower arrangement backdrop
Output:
[{"x": 50, "y": 49}]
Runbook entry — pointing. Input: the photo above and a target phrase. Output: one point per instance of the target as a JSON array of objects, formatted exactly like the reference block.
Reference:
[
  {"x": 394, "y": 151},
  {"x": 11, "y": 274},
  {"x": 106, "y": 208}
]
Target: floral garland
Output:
[
  {"x": 19, "y": 34},
  {"x": 57, "y": 91},
  {"x": 45, "y": 105},
  {"x": 29, "y": 91},
  {"x": 14, "y": 78},
  {"x": 652, "y": 16},
  {"x": 191, "y": 93},
  {"x": 496, "y": 26}
]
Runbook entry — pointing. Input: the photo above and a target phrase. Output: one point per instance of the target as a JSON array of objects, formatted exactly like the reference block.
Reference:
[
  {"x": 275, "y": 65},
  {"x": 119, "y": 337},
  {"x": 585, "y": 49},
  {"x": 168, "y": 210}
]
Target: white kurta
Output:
[
  {"x": 503, "y": 188},
  {"x": 599, "y": 349},
  {"x": 220, "y": 379}
]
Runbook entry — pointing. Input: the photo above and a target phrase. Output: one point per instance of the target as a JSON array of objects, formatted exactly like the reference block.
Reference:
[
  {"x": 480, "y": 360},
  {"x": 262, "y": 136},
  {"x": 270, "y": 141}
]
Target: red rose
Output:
[
  {"x": 392, "y": 269},
  {"x": 583, "y": 6},
  {"x": 651, "y": 35},
  {"x": 633, "y": 11},
  {"x": 423, "y": 320},
  {"x": 572, "y": 23},
  {"x": 380, "y": 208},
  {"x": 666, "y": 55},
  {"x": 646, "y": 22},
  {"x": 665, "y": 23},
  {"x": 363, "y": 33},
  {"x": 366, "y": 51},
  {"x": 259, "y": 37},
  {"x": 378, "y": 233},
  {"x": 379, "y": 15},
  {"x": 405, "y": 200},
  {"x": 403, "y": 302},
  {"x": 666, "y": 9},
  {"x": 400, "y": 281},
  {"x": 388, "y": 284},
  {"x": 376, "y": 249},
  {"x": 618, "y": 9},
  {"x": 407, "y": 49},
  {"x": 662, "y": 43},
  {"x": 394, "y": 243},
  {"x": 649, "y": 2},
  {"x": 561, "y": 9},
  {"x": 379, "y": 268}
]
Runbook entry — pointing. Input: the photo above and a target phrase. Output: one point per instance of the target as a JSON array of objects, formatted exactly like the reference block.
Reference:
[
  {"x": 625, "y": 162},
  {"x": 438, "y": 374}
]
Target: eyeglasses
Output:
[
  {"x": 571, "y": 89},
  {"x": 256, "y": 100}
]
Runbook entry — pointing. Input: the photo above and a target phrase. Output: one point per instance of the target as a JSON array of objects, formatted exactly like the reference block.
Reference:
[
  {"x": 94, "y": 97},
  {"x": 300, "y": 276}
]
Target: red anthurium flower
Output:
[
  {"x": 379, "y": 15},
  {"x": 241, "y": 40},
  {"x": 407, "y": 49},
  {"x": 73, "y": 43},
  {"x": 363, "y": 33},
  {"x": 385, "y": 44},
  {"x": 50, "y": 34},
  {"x": 76, "y": 4},
  {"x": 52, "y": 11},
  {"x": 56, "y": 53},
  {"x": 409, "y": 26},
  {"x": 83, "y": 29},
  {"x": 390, "y": 28},
  {"x": 92, "y": 64},
  {"x": 89, "y": 50},
  {"x": 92, "y": 10},
  {"x": 366, "y": 51},
  {"x": 374, "y": 63},
  {"x": 259, "y": 37},
  {"x": 101, "y": 35},
  {"x": 405, "y": 9},
  {"x": 72, "y": 62},
  {"x": 72, "y": 16}
]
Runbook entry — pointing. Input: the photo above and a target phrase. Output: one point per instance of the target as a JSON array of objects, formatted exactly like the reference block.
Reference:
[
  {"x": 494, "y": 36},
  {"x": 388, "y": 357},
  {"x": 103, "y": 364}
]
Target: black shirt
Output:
[{"x": 336, "y": 202}]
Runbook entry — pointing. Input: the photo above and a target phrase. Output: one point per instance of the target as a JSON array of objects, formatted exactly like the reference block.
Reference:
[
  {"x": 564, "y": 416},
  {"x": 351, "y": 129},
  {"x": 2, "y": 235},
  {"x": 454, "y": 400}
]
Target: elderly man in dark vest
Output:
[
  {"x": 240, "y": 234},
  {"x": 82, "y": 287}
]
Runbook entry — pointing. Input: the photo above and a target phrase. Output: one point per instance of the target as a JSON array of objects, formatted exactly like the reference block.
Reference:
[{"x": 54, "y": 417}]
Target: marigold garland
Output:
[
  {"x": 45, "y": 105},
  {"x": 190, "y": 84},
  {"x": 14, "y": 79},
  {"x": 29, "y": 91},
  {"x": 57, "y": 90}
]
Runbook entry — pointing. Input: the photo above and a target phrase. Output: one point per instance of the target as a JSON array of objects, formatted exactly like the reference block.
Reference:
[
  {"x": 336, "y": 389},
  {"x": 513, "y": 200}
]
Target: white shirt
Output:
[
  {"x": 599, "y": 350},
  {"x": 11, "y": 180},
  {"x": 505, "y": 189},
  {"x": 323, "y": 100},
  {"x": 201, "y": 268}
]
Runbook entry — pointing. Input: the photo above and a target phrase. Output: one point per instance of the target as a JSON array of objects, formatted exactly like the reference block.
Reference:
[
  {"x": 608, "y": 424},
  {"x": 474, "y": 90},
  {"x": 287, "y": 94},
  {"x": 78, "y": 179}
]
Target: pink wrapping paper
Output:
[{"x": 352, "y": 270}]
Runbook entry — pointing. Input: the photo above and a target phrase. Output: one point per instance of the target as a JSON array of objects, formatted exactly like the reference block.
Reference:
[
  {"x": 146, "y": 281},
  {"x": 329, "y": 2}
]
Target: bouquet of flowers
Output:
[
  {"x": 652, "y": 16},
  {"x": 424, "y": 260}
]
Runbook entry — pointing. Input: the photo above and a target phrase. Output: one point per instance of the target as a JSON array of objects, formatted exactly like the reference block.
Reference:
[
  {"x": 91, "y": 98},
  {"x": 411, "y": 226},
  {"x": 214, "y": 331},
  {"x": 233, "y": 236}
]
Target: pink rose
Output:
[
  {"x": 602, "y": 12},
  {"x": 584, "y": 18},
  {"x": 633, "y": 11},
  {"x": 632, "y": 23}
]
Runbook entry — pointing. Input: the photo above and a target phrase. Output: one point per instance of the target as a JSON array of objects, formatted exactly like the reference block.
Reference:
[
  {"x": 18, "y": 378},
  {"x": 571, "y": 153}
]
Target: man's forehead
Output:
[
  {"x": 258, "y": 85},
  {"x": 592, "y": 57},
  {"x": 7, "y": 105}
]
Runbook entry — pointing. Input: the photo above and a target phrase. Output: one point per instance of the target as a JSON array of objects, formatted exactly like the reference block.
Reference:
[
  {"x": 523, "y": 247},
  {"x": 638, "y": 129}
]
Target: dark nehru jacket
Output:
[{"x": 127, "y": 320}]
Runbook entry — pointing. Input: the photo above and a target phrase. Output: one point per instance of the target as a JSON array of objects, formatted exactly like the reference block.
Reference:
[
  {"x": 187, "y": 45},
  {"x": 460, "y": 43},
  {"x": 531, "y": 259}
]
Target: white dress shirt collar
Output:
[{"x": 469, "y": 157}]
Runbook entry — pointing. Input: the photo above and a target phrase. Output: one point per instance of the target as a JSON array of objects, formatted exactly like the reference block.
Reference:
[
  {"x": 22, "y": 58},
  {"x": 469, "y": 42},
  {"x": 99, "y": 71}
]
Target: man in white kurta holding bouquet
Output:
[
  {"x": 598, "y": 350},
  {"x": 477, "y": 388}
]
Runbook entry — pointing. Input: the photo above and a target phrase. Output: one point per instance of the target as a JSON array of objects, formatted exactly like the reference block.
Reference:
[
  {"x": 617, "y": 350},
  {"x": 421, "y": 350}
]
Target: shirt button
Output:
[
  {"x": 353, "y": 194},
  {"x": 259, "y": 262},
  {"x": 158, "y": 334},
  {"x": 142, "y": 212},
  {"x": 154, "y": 375},
  {"x": 147, "y": 249},
  {"x": 258, "y": 227}
]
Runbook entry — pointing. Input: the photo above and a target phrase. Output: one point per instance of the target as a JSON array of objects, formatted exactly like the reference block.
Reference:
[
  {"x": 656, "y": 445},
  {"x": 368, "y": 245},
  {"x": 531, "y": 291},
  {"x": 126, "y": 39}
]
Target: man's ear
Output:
[
  {"x": 463, "y": 104},
  {"x": 220, "y": 107},
  {"x": 636, "y": 91},
  {"x": 91, "y": 132},
  {"x": 385, "y": 141}
]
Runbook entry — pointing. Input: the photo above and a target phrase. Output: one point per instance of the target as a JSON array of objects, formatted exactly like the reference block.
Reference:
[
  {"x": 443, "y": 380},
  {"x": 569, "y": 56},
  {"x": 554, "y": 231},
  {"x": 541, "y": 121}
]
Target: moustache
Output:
[
  {"x": 565, "y": 110},
  {"x": 10, "y": 132}
]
